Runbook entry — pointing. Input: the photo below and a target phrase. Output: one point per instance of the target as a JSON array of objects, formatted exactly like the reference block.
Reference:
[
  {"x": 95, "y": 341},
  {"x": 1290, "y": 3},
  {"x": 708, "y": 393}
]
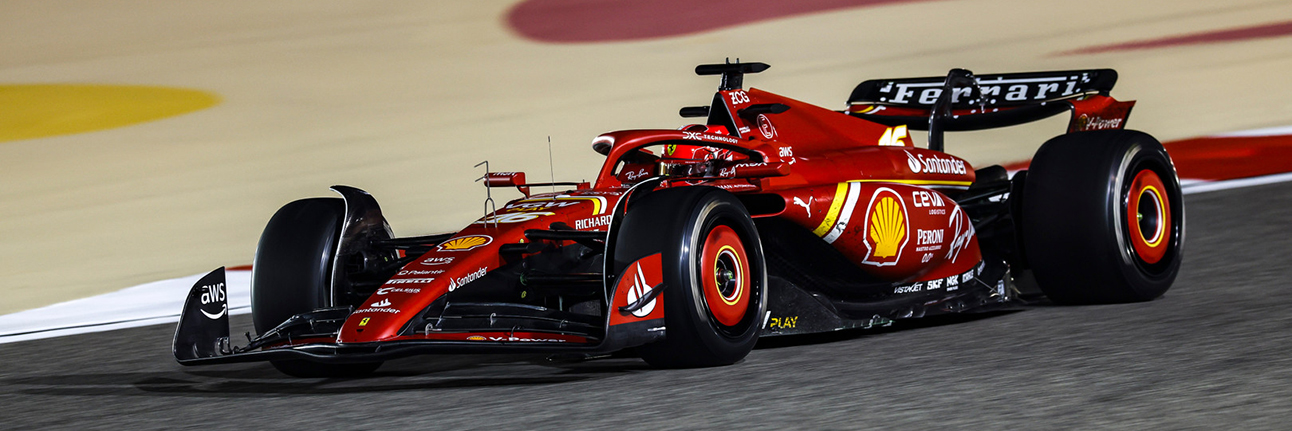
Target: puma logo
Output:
[{"x": 807, "y": 206}]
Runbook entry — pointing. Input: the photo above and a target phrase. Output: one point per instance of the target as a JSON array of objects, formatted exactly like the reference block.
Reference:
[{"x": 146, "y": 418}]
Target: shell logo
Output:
[
  {"x": 886, "y": 228},
  {"x": 476, "y": 338},
  {"x": 465, "y": 243}
]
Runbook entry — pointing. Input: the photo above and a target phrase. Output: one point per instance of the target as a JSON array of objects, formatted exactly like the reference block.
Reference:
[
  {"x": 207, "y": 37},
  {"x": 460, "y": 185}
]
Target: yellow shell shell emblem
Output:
[
  {"x": 476, "y": 338},
  {"x": 887, "y": 227},
  {"x": 465, "y": 243}
]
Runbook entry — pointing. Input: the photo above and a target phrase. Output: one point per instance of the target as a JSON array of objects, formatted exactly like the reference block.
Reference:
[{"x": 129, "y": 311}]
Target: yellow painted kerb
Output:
[{"x": 41, "y": 110}]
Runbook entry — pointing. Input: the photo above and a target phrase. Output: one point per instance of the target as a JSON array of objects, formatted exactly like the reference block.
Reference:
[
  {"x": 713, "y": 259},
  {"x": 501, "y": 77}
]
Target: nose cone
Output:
[
  {"x": 465, "y": 258},
  {"x": 402, "y": 298}
]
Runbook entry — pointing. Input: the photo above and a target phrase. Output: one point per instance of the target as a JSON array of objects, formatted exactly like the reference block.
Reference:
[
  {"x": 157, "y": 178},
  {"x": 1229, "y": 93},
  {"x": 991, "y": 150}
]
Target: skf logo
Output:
[
  {"x": 886, "y": 228},
  {"x": 893, "y": 137},
  {"x": 214, "y": 294},
  {"x": 465, "y": 243}
]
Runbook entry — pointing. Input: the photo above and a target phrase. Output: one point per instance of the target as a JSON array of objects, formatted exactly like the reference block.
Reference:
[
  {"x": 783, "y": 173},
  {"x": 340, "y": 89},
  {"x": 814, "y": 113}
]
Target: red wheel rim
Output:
[
  {"x": 1148, "y": 212},
  {"x": 724, "y": 275}
]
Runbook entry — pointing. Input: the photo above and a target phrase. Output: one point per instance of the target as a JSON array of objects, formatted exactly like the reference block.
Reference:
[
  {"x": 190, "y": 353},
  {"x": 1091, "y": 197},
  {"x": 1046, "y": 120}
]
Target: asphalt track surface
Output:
[{"x": 1214, "y": 352}]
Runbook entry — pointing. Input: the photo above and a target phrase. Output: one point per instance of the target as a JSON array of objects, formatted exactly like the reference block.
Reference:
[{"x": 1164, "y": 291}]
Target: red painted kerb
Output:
[
  {"x": 1264, "y": 31},
  {"x": 583, "y": 21}
]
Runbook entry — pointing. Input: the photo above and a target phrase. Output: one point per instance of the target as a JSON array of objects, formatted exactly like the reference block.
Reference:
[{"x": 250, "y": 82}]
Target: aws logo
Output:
[
  {"x": 214, "y": 294},
  {"x": 886, "y": 229}
]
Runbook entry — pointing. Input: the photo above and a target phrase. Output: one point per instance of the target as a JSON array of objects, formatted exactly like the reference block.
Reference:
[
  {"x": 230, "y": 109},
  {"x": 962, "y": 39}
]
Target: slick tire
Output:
[
  {"x": 291, "y": 274},
  {"x": 1103, "y": 218},
  {"x": 714, "y": 274}
]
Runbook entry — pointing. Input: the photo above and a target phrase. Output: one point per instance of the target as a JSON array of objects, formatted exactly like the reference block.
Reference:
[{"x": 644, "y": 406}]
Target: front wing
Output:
[{"x": 202, "y": 337}]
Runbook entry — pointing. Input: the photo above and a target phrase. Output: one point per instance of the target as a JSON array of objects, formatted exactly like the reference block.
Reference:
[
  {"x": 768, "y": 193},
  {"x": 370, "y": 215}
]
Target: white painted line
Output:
[
  {"x": 1195, "y": 186},
  {"x": 142, "y": 305}
]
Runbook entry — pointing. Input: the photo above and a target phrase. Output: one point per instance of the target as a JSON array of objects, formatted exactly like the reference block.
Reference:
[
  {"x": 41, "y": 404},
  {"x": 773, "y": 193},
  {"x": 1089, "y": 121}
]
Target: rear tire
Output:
[
  {"x": 292, "y": 272},
  {"x": 1103, "y": 218},
  {"x": 714, "y": 274}
]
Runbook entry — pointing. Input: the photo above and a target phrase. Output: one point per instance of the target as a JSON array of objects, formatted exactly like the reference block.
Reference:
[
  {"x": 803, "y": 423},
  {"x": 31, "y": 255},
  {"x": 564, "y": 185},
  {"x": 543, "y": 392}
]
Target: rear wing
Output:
[{"x": 990, "y": 101}]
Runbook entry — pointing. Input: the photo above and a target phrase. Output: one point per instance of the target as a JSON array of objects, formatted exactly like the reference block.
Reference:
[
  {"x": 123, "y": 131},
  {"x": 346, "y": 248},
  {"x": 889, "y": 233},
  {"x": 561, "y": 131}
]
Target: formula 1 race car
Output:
[{"x": 770, "y": 217}]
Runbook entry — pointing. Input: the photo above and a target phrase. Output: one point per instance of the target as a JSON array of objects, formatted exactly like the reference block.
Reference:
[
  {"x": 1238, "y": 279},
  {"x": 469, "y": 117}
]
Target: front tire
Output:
[
  {"x": 1103, "y": 218},
  {"x": 714, "y": 273},
  {"x": 292, "y": 272}
]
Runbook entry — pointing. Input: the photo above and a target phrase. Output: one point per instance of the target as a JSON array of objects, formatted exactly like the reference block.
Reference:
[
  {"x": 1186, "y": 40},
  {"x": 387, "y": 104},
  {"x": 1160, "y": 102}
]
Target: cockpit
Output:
[{"x": 698, "y": 154}]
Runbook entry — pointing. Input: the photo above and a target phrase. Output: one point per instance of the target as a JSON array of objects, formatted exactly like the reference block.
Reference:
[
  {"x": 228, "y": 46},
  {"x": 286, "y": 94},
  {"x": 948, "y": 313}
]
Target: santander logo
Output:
[
  {"x": 934, "y": 164},
  {"x": 912, "y": 163}
]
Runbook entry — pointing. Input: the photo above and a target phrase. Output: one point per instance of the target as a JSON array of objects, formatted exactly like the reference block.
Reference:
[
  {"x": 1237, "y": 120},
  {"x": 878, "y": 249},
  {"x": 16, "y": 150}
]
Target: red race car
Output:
[{"x": 768, "y": 217}]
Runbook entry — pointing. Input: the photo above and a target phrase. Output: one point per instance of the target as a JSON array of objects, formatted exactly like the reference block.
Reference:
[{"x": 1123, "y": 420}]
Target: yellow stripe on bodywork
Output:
[
  {"x": 919, "y": 182},
  {"x": 596, "y": 201},
  {"x": 833, "y": 215}
]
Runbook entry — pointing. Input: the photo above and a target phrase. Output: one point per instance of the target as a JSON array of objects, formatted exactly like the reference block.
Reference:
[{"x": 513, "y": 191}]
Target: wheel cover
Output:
[
  {"x": 724, "y": 276},
  {"x": 1148, "y": 214}
]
